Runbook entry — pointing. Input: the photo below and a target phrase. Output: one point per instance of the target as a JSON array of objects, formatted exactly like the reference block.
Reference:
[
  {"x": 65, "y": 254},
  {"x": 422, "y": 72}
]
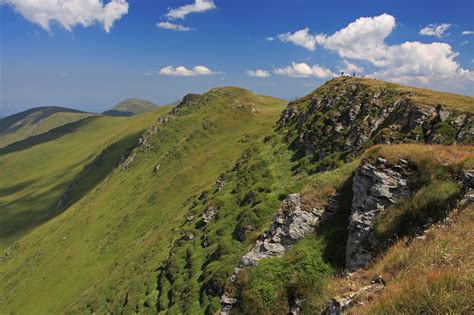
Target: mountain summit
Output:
[{"x": 130, "y": 107}]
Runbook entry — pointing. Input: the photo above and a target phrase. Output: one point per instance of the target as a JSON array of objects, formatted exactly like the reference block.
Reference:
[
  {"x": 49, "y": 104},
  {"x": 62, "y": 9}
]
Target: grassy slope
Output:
[
  {"x": 36, "y": 171},
  {"x": 134, "y": 217},
  {"x": 133, "y": 106},
  {"x": 36, "y": 121},
  {"x": 432, "y": 275},
  {"x": 127, "y": 223}
]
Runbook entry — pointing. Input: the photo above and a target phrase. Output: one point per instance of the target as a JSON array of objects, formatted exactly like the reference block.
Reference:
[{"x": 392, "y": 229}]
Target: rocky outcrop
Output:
[
  {"x": 144, "y": 144},
  {"x": 188, "y": 236},
  {"x": 290, "y": 224},
  {"x": 376, "y": 186},
  {"x": 221, "y": 181},
  {"x": 189, "y": 104},
  {"x": 348, "y": 115},
  {"x": 209, "y": 213}
]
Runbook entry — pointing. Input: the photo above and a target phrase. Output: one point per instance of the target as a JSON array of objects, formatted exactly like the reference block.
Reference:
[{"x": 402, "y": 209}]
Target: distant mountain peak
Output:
[{"x": 130, "y": 107}]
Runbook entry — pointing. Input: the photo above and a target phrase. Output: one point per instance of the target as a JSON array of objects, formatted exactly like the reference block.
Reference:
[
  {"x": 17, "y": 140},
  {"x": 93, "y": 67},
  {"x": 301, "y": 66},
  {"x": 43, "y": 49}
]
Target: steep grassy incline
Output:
[
  {"x": 106, "y": 249},
  {"x": 37, "y": 171},
  {"x": 130, "y": 107},
  {"x": 36, "y": 121}
]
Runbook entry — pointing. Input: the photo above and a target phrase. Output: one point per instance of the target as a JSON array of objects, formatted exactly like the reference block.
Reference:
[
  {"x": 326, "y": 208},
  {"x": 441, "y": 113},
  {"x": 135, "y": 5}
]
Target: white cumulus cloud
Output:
[
  {"x": 410, "y": 62},
  {"x": 362, "y": 39},
  {"x": 69, "y": 13},
  {"x": 199, "y": 6},
  {"x": 183, "y": 71},
  {"x": 467, "y": 32},
  {"x": 304, "y": 70},
  {"x": 437, "y": 30},
  {"x": 300, "y": 38},
  {"x": 258, "y": 73},
  {"x": 419, "y": 59},
  {"x": 174, "y": 27}
]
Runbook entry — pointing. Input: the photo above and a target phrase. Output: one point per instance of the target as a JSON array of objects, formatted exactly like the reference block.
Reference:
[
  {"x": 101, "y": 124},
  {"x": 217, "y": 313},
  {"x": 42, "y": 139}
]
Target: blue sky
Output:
[{"x": 92, "y": 57}]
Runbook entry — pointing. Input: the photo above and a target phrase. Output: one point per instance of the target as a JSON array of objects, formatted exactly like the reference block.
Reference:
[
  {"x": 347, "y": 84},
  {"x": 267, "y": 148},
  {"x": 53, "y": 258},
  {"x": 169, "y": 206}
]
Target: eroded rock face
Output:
[
  {"x": 349, "y": 115},
  {"x": 290, "y": 224},
  {"x": 375, "y": 187}
]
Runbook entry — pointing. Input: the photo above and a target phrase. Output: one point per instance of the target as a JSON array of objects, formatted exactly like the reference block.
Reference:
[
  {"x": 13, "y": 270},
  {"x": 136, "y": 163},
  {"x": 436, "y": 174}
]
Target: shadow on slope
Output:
[
  {"x": 45, "y": 137},
  {"x": 11, "y": 123},
  {"x": 91, "y": 175}
]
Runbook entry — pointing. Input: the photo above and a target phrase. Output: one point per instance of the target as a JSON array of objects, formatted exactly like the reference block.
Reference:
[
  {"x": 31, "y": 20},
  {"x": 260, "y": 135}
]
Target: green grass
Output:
[
  {"x": 36, "y": 121},
  {"x": 131, "y": 106},
  {"x": 36, "y": 171},
  {"x": 269, "y": 287},
  {"x": 121, "y": 244},
  {"x": 127, "y": 223}
]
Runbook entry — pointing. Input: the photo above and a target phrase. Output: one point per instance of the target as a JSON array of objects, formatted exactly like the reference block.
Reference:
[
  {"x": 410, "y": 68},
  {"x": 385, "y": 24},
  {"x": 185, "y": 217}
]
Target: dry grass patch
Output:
[
  {"x": 433, "y": 275},
  {"x": 420, "y": 154}
]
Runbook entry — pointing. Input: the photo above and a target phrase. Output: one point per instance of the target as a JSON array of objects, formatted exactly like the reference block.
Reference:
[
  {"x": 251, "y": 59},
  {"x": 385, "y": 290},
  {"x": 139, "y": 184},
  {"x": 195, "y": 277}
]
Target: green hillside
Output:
[
  {"x": 36, "y": 121},
  {"x": 153, "y": 213},
  {"x": 37, "y": 171},
  {"x": 134, "y": 212},
  {"x": 130, "y": 107}
]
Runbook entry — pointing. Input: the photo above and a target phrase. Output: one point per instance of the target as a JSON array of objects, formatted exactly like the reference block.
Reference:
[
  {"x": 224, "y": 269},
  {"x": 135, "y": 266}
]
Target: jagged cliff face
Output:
[
  {"x": 345, "y": 116},
  {"x": 375, "y": 188}
]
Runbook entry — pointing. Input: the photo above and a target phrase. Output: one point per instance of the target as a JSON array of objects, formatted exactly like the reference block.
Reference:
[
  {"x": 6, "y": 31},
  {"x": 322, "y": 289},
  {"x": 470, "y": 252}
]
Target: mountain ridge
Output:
[
  {"x": 35, "y": 121},
  {"x": 227, "y": 171}
]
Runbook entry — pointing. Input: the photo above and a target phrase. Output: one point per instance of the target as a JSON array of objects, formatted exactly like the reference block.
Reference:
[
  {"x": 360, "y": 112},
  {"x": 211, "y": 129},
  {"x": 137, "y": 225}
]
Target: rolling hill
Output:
[
  {"x": 37, "y": 171},
  {"x": 130, "y": 107},
  {"x": 235, "y": 202},
  {"x": 36, "y": 121}
]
